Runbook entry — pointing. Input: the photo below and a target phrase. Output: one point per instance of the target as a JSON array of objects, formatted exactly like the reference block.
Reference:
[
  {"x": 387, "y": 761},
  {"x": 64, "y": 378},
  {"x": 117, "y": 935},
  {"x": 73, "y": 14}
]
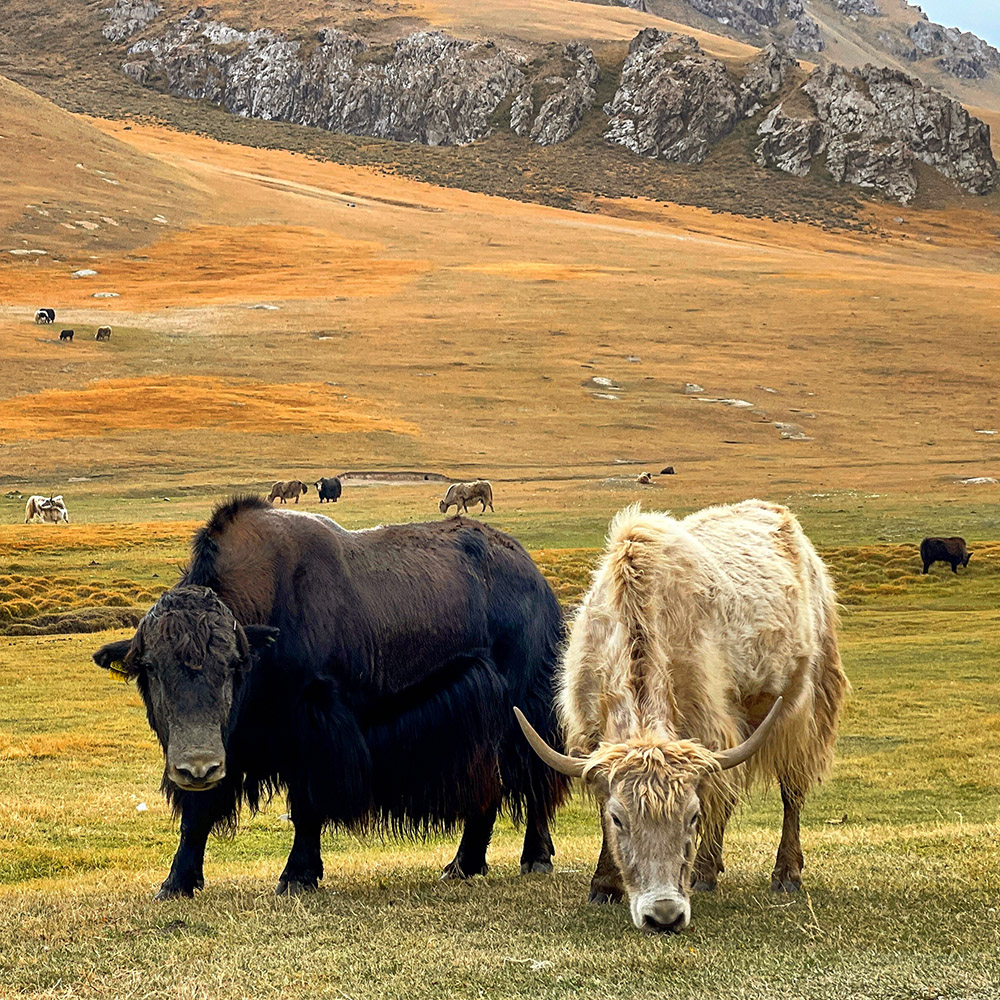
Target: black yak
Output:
[
  {"x": 950, "y": 550},
  {"x": 370, "y": 675}
]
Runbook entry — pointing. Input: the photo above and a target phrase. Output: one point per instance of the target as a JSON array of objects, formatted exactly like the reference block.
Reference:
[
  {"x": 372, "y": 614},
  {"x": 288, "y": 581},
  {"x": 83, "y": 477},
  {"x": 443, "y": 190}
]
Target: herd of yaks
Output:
[{"x": 46, "y": 316}]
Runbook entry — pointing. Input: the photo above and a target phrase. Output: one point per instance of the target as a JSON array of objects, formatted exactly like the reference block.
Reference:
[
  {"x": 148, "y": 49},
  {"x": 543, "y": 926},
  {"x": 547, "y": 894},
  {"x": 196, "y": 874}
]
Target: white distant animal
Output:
[
  {"x": 49, "y": 509},
  {"x": 703, "y": 644}
]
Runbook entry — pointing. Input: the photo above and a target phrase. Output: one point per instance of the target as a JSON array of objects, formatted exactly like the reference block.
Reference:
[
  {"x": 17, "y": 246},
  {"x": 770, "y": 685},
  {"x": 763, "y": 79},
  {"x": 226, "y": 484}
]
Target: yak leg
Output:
[
  {"x": 536, "y": 855},
  {"x": 708, "y": 861},
  {"x": 787, "y": 874},
  {"x": 199, "y": 811},
  {"x": 470, "y": 858},
  {"x": 606, "y": 885},
  {"x": 304, "y": 867}
]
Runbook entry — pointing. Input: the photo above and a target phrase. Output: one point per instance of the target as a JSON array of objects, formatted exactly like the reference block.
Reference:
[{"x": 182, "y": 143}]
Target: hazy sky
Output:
[{"x": 980, "y": 16}]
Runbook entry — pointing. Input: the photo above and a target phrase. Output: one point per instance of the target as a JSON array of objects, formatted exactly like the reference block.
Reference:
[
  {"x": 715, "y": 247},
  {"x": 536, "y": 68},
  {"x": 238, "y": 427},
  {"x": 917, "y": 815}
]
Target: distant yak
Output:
[
  {"x": 950, "y": 550},
  {"x": 284, "y": 490},
  {"x": 65, "y": 334},
  {"x": 460, "y": 495},
  {"x": 329, "y": 489},
  {"x": 45, "y": 316},
  {"x": 103, "y": 333}
]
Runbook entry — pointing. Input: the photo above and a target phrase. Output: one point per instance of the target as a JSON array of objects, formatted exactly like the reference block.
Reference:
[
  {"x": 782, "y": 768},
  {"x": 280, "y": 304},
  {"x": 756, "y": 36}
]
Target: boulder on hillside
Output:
[{"x": 672, "y": 101}]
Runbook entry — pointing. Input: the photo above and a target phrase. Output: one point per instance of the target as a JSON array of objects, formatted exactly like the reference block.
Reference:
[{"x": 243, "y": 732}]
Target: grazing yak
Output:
[
  {"x": 369, "y": 674},
  {"x": 701, "y": 644},
  {"x": 50, "y": 510},
  {"x": 950, "y": 550},
  {"x": 66, "y": 334},
  {"x": 462, "y": 494},
  {"x": 103, "y": 333},
  {"x": 287, "y": 489},
  {"x": 45, "y": 316},
  {"x": 329, "y": 489}
]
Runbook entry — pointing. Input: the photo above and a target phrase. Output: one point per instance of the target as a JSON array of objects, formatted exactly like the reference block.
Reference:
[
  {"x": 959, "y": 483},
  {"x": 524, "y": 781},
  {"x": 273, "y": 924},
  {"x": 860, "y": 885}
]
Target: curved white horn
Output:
[
  {"x": 571, "y": 766},
  {"x": 736, "y": 755}
]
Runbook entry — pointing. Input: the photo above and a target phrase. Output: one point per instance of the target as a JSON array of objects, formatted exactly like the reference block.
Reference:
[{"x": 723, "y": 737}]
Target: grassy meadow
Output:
[{"x": 902, "y": 844}]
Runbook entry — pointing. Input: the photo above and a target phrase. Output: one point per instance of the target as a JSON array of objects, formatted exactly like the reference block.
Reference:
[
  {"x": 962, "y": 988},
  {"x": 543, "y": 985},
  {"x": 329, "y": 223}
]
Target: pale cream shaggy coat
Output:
[{"x": 691, "y": 629}]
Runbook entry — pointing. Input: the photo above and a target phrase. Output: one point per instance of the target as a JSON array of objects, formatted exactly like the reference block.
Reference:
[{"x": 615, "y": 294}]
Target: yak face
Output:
[
  {"x": 189, "y": 658},
  {"x": 650, "y": 810},
  {"x": 651, "y": 815}
]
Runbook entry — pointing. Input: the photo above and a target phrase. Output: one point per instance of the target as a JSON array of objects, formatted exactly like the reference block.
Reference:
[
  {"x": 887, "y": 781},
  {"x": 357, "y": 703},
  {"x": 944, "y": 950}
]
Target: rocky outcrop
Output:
[
  {"x": 426, "y": 88},
  {"x": 960, "y": 53},
  {"x": 752, "y": 17},
  {"x": 887, "y": 167},
  {"x": 855, "y": 8},
  {"x": 562, "y": 112},
  {"x": 788, "y": 143},
  {"x": 884, "y": 106},
  {"x": 874, "y": 125},
  {"x": 126, "y": 17},
  {"x": 672, "y": 101},
  {"x": 764, "y": 76}
]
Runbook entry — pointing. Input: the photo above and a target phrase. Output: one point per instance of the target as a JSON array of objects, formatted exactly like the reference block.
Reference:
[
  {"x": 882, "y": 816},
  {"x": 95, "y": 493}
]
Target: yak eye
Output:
[
  {"x": 617, "y": 822},
  {"x": 695, "y": 820}
]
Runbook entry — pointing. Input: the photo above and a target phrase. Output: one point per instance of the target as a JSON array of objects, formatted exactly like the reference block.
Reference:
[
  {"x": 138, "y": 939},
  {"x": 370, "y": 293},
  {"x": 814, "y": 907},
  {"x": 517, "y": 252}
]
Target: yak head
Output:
[
  {"x": 651, "y": 812},
  {"x": 189, "y": 658}
]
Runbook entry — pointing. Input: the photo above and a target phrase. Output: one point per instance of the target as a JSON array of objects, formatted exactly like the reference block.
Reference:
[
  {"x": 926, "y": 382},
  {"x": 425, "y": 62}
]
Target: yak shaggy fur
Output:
[{"x": 690, "y": 631}]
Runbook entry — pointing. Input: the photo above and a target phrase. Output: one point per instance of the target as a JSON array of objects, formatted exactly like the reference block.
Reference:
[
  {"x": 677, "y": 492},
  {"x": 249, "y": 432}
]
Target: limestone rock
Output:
[
  {"x": 883, "y": 106},
  {"x": 887, "y": 167},
  {"x": 427, "y": 87},
  {"x": 562, "y": 113},
  {"x": 126, "y": 17},
  {"x": 866, "y": 8},
  {"x": 960, "y": 53},
  {"x": 765, "y": 75},
  {"x": 788, "y": 143},
  {"x": 672, "y": 100}
]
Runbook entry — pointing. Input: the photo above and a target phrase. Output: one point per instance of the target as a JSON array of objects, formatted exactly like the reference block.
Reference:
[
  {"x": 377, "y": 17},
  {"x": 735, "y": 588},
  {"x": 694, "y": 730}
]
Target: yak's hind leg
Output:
[
  {"x": 787, "y": 874},
  {"x": 200, "y": 811},
  {"x": 471, "y": 856},
  {"x": 606, "y": 885}
]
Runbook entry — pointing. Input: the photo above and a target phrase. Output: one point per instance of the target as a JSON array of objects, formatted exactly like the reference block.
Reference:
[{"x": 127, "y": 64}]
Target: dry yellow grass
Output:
[
  {"x": 190, "y": 401},
  {"x": 496, "y": 315}
]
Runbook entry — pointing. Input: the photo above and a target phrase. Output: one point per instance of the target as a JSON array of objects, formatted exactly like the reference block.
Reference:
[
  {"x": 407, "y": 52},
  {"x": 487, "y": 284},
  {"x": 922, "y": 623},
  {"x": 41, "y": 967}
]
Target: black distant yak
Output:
[
  {"x": 371, "y": 675},
  {"x": 950, "y": 550},
  {"x": 329, "y": 489}
]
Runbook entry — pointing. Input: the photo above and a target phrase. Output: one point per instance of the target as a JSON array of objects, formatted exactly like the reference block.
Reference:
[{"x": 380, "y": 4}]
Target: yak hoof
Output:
[
  {"x": 295, "y": 887},
  {"x": 536, "y": 868},
  {"x": 703, "y": 885},
  {"x": 170, "y": 892},
  {"x": 455, "y": 870},
  {"x": 601, "y": 896},
  {"x": 790, "y": 883}
]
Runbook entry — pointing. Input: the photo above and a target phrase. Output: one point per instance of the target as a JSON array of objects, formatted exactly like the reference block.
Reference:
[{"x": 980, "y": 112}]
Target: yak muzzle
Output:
[
  {"x": 197, "y": 772},
  {"x": 669, "y": 915}
]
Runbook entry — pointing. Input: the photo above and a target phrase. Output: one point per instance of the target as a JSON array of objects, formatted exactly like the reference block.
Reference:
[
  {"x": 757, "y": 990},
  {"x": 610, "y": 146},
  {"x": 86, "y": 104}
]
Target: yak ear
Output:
[
  {"x": 118, "y": 658},
  {"x": 260, "y": 637}
]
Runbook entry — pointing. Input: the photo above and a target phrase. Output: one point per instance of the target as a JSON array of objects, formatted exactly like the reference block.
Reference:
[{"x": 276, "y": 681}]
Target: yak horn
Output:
[
  {"x": 570, "y": 766},
  {"x": 736, "y": 755}
]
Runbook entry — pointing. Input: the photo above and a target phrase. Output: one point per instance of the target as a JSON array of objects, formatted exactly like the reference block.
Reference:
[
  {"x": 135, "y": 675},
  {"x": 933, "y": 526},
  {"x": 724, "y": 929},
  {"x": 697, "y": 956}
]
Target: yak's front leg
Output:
[
  {"x": 787, "y": 874},
  {"x": 470, "y": 859},
  {"x": 199, "y": 813},
  {"x": 304, "y": 867},
  {"x": 606, "y": 885},
  {"x": 536, "y": 855}
]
